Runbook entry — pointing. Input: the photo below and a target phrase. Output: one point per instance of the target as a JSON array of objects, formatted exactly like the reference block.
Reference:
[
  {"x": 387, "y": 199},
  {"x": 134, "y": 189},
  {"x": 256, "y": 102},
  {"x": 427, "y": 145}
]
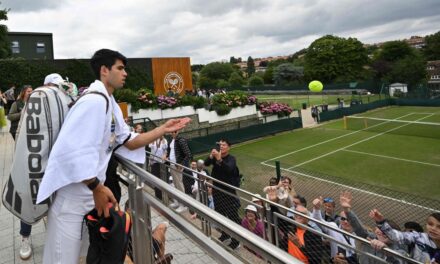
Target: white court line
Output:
[
  {"x": 422, "y": 113},
  {"x": 353, "y": 188},
  {"x": 398, "y": 121},
  {"x": 390, "y": 157},
  {"x": 329, "y": 140},
  {"x": 366, "y": 139}
]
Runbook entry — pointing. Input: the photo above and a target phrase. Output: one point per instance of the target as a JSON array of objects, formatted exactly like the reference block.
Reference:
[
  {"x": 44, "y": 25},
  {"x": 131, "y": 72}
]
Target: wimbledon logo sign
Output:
[{"x": 173, "y": 81}]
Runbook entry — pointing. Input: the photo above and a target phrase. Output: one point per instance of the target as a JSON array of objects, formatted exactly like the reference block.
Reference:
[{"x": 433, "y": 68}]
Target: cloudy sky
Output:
[{"x": 214, "y": 30}]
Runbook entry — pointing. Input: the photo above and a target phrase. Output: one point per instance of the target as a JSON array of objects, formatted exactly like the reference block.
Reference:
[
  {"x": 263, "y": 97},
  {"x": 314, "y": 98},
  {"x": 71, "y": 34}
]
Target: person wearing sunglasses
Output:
[
  {"x": 378, "y": 238},
  {"x": 338, "y": 253}
]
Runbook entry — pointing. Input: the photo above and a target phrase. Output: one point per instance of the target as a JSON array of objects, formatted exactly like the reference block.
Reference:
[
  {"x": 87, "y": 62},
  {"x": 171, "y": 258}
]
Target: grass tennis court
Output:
[
  {"x": 388, "y": 157},
  {"x": 295, "y": 100}
]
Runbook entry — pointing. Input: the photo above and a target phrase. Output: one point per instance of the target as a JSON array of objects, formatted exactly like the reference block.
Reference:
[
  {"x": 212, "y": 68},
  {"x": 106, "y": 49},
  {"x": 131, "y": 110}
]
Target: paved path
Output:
[{"x": 183, "y": 249}]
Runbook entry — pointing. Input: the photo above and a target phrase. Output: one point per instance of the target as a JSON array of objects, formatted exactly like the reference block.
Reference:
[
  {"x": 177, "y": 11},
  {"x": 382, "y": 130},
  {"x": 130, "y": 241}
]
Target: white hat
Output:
[
  {"x": 251, "y": 207},
  {"x": 53, "y": 78},
  {"x": 256, "y": 199}
]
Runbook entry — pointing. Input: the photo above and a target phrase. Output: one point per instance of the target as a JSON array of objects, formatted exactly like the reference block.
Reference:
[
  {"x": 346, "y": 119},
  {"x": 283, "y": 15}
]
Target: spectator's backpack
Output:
[{"x": 39, "y": 126}]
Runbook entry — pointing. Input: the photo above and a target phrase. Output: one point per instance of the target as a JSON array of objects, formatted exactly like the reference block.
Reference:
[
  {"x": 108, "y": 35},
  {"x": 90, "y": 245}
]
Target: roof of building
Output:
[{"x": 29, "y": 33}]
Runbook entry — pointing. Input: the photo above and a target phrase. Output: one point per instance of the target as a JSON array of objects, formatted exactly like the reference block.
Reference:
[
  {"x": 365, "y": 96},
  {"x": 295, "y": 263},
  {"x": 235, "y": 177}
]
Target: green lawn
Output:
[
  {"x": 388, "y": 158},
  {"x": 296, "y": 101}
]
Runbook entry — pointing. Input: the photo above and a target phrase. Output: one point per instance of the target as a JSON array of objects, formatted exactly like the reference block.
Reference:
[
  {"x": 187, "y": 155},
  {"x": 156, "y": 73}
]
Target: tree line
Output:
[{"x": 330, "y": 59}]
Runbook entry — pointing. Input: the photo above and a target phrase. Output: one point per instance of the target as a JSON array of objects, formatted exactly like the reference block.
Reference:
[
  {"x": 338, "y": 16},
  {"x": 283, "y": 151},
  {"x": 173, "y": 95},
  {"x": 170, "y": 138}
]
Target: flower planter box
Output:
[
  {"x": 158, "y": 114},
  {"x": 178, "y": 111},
  {"x": 270, "y": 118},
  {"x": 212, "y": 117},
  {"x": 203, "y": 114}
]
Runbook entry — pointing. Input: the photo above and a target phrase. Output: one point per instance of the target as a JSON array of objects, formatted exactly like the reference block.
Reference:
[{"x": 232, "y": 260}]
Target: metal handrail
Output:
[
  {"x": 388, "y": 251},
  {"x": 264, "y": 248}
]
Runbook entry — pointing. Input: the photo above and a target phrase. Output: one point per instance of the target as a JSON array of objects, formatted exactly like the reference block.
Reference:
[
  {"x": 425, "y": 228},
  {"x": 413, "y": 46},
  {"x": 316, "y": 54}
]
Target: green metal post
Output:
[{"x": 278, "y": 169}]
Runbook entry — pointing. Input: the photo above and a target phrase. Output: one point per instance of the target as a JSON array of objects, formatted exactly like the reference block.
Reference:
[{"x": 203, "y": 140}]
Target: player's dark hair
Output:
[{"x": 107, "y": 58}]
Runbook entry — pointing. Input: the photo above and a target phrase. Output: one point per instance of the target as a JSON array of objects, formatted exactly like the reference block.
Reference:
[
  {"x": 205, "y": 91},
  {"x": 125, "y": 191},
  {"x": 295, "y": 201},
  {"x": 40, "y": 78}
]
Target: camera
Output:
[{"x": 217, "y": 146}]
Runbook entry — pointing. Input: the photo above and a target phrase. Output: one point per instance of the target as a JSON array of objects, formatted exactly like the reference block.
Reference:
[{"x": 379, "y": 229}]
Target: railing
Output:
[
  {"x": 141, "y": 202},
  {"x": 267, "y": 250}
]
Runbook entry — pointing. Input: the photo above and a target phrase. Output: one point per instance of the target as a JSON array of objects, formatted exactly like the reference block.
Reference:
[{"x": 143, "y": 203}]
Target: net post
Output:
[
  {"x": 278, "y": 170},
  {"x": 345, "y": 122}
]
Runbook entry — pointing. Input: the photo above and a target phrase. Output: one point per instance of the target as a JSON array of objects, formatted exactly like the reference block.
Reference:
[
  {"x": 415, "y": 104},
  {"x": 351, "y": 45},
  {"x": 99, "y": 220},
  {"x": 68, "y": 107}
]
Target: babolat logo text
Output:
[{"x": 34, "y": 145}]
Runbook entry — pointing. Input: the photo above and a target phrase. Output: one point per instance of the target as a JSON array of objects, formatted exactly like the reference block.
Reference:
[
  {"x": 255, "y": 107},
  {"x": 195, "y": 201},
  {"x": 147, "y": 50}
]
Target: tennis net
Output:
[{"x": 393, "y": 126}]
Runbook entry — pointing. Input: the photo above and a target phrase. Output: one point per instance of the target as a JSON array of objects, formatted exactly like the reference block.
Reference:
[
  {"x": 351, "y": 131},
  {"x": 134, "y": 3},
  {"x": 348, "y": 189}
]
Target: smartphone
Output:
[{"x": 342, "y": 251}]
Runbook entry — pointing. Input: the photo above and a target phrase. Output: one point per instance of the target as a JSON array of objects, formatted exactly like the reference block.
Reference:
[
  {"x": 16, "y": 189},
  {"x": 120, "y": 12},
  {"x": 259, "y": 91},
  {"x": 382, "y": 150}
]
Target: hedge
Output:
[{"x": 21, "y": 72}]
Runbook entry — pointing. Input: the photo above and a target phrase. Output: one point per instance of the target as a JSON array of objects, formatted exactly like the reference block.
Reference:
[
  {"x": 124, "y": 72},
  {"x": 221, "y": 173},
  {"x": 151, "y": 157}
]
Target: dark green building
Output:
[{"x": 31, "y": 45}]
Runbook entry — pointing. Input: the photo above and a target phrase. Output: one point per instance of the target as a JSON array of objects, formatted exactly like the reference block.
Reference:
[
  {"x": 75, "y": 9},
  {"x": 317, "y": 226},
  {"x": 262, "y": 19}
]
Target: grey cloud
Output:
[
  {"x": 340, "y": 16},
  {"x": 30, "y": 5},
  {"x": 214, "y": 30},
  {"x": 215, "y": 8}
]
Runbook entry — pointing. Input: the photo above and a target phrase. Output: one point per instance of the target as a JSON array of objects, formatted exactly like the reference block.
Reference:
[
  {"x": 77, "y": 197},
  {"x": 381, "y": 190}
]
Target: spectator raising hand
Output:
[
  {"x": 317, "y": 203},
  {"x": 345, "y": 200},
  {"x": 376, "y": 216}
]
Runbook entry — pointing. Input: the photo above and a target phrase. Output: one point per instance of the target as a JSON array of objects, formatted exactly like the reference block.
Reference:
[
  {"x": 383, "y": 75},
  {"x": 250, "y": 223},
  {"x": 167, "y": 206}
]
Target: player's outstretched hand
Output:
[{"x": 175, "y": 124}]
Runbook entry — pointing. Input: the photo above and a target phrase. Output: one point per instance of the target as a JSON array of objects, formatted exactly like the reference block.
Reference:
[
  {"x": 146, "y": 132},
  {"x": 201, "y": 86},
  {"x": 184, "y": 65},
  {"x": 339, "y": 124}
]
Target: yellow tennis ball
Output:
[{"x": 316, "y": 86}]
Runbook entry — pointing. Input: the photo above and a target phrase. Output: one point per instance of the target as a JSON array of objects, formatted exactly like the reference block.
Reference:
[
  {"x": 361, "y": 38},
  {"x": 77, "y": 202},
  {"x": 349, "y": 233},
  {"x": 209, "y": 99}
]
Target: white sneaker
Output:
[
  {"x": 174, "y": 205},
  {"x": 25, "y": 248},
  {"x": 181, "y": 209}
]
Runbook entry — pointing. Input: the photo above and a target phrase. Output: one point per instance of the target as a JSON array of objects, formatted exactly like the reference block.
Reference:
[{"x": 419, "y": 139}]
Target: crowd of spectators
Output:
[{"x": 303, "y": 237}]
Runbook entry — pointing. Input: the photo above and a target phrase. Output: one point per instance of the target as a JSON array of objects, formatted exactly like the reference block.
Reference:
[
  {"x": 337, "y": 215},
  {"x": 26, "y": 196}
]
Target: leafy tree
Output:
[
  {"x": 195, "y": 79},
  {"x": 5, "y": 46},
  {"x": 234, "y": 60},
  {"x": 399, "y": 62},
  {"x": 197, "y": 67},
  {"x": 250, "y": 66},
  {"x": 432, "y": 48},
  {"x": 256, "y": 81},
  {"x": 298, "y": 54},
  {"x": 268, "y": 75},
  {"x": 236, "y": 81},
  {"x": 381, "y": 68},
  {"x": 264, "y": 63},
  {"x": 287, "y": 73},
  {"x": 410, "y": 70},
  {"x": 212, "y": 72},
  {"x": 275, "y": 63},
  {"x": 331, "y": 57},
  {"x": 222, "y": 84},
  {"x": 395, "y": 50}
]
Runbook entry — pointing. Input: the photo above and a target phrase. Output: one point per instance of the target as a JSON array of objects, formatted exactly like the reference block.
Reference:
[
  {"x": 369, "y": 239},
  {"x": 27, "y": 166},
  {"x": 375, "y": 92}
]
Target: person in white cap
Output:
[
  {"x": 252, "y": 223},
  {"x": 54, "y": 79},
  {"x": 79, "y": 158}
]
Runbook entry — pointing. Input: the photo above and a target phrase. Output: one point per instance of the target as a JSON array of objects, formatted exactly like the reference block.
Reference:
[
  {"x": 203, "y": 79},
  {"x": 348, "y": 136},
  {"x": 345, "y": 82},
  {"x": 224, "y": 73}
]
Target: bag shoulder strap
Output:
[{"x": 91, "y": 92}]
